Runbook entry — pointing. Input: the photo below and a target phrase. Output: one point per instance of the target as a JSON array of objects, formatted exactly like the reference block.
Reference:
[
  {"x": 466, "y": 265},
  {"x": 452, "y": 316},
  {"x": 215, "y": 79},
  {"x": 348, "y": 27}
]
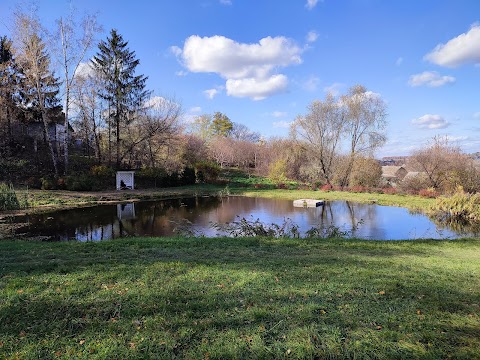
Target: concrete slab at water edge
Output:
[{"x": 307, "y": 203}]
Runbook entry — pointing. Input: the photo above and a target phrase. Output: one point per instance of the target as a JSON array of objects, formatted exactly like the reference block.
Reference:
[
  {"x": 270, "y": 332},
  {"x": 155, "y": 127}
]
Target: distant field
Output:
[{"x": 200, "y": 298}]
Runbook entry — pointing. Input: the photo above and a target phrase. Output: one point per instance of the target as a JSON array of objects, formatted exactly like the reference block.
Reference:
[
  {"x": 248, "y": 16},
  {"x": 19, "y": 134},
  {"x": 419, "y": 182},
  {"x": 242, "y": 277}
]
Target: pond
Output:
[{"x": 163, "y": 218}]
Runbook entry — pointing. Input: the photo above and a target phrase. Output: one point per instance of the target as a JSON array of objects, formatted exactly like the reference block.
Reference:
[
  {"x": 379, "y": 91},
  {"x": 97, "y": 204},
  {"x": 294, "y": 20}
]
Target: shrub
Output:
[
  {"x": 47, "y": 183},
  {"x": 326, "y": 187},
  {"x": 277, "y": 171},
  {"x": 188, "y": 176},
  {"x": 206, "y": 171},
  {"x": 389, "y": 190},
  {"x": 102, "y": 171},
  {"x": 34, "y": 182},
  {"x": 79, "y": 182},
  {"x": 428, "y": 193},
  {"x": 8, "y": 198},
  {"x": 460, "y": 207}
]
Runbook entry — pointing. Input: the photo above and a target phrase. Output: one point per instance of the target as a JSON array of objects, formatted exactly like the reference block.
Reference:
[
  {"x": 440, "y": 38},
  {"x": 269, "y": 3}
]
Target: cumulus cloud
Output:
[
  {"x": 463, "y": 49},
  {"x": 282, "y": 124},
  {"x": 196, "y": 109},
  {"x": 226, "y": 2},
  {"x": 175, "y": 50},
  {"x": 311, "y": 4},
  {"x": 430, "y": 78},
  {"x": 312, "y": 36},
  {"x": 334, "y": 89},
  {"x": 181, "y": 73},
  {"x": 399, "y": 61},
  {"x": 311, "y": 84},
  {"x": 279, "y": 114},
  {"x": 431, "y": 122},
  {"x": 210, "y": 93},
  {"x": 85, "y": 69},
  {"x": 248, "y": 68}
]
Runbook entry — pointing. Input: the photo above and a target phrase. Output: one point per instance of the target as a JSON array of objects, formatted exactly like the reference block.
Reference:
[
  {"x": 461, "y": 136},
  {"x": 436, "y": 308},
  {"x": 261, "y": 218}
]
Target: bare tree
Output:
[
  {"x": 40, "y": 85},
  {"x": 321, "y": 130},
  {"x": 74, "y": 41},
  {"x": 365, "y": 115}
]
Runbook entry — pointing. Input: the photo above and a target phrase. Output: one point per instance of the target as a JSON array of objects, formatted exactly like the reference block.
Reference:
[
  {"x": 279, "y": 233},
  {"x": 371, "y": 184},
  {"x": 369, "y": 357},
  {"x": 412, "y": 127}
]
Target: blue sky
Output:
[{"x": 261, "y": 62}]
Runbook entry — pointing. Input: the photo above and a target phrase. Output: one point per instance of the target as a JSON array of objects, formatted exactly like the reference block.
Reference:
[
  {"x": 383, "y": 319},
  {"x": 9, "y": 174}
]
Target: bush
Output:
[
  {"x": 34, "y": 182},
  {"x": 428, "y": 193},
  {"x": 102, "y": 171},
  {"x": 389, "y": 190},
  {"x": 79, "y": 182},
  {"x": 47, "y": 183},
  {"x": 326, "y": 187},
  {"x": 8, "y": 198},
  {"x": 206, "y": 171},
  {"x": 277, "y": 171},
  {"x": 460, "y": 207}
]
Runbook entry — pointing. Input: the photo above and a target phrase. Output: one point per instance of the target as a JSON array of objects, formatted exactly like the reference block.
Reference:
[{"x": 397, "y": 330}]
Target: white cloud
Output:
[
  {"x": 430, "y": 78},
  {"x": 210, "y": 93},
  {"x": 477, "y": 115},
  {"x": 282, "y": 124},
  {"x": 279, "y": 114},
  {"x": 399, "y": 61},
  {"x": 248, "y": 68},
  {"x": 257, "y": 88},
  {"x": 196, "y": 109},
  {"x": 311, "y": 4},
  {"x": 312, "y": 36},
  {"x": 311, "y": 84},
  {"x": 175, "y": 50},
  {"x": 431, "y": 122},
  {"x": 334, "y": 89},
  {"x": 226, "y": 2},
  {"x": 181, "y": 73},
  {"x": 463, "y": 49},
  {"x": 85, "y": 69}
]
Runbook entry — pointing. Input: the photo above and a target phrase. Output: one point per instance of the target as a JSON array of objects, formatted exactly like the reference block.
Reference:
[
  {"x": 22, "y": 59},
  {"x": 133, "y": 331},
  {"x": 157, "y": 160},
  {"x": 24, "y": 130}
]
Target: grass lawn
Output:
[{"x": 200, "y": 298}]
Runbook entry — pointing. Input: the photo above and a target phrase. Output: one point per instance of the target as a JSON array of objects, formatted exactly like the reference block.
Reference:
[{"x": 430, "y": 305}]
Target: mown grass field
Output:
[{"x": 200, "y": 298}]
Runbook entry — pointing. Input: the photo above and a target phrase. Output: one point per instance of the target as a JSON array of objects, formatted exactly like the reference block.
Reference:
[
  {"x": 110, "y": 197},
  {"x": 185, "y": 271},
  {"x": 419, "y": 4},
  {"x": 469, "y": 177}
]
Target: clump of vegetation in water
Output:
[
  {"x": 288, "y": 229},
  {"x": 9, "y": 199},
  {"x": 461, "y": 207}
]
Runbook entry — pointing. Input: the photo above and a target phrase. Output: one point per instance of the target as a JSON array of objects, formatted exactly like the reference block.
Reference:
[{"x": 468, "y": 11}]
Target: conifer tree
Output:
[{"x": 123, "y": 90}]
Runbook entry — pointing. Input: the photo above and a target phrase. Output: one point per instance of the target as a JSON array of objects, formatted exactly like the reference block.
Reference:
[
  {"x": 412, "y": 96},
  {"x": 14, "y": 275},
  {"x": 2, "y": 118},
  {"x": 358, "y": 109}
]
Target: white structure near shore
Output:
[
  {"x": 125, "y": 180},
  {"x": 307, "y": 203}
]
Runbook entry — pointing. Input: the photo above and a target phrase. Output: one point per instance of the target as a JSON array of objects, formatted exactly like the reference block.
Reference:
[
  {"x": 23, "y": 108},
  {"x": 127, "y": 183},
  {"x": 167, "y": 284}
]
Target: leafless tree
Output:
[
  {"x": 38, "y": 80},
  {"x": 365, "y": 122},
  {"x": 73, "y": 41},
  {"x": 321, "y": 130}
]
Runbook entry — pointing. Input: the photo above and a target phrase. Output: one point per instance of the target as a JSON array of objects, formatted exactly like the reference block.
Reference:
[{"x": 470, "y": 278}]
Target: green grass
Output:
[
  {"x": 240, "y": 298},
  {"x": 407, "y": 201}
]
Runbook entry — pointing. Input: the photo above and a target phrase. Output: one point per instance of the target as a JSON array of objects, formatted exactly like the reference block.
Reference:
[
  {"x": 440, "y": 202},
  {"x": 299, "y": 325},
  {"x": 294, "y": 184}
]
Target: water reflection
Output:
[{"x": 161, "y": 218}]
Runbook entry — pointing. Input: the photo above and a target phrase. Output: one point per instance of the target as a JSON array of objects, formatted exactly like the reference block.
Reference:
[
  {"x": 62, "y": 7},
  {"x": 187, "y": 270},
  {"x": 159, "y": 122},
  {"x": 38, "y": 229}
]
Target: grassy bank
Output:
[{"x": 240, "y": 298}]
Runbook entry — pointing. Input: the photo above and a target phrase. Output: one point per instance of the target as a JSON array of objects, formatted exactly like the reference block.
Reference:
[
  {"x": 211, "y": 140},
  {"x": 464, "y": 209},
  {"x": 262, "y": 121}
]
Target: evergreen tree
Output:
[
  {"x": 123, "y": 90},
  {"x": 221, "y": 125},
  {"x": 8, "y": 92}
]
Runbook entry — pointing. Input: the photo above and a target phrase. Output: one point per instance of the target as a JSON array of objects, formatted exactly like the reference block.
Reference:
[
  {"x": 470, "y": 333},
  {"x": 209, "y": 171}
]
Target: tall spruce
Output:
[
  {"x": 123, "y": 90},
  {"x": 8, "y": 92}
]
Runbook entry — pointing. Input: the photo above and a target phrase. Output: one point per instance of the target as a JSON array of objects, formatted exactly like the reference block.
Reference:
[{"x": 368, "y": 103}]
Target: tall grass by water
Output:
[
  {"x": 240, "y": 298},
  {"x": 9, "y": 199}
]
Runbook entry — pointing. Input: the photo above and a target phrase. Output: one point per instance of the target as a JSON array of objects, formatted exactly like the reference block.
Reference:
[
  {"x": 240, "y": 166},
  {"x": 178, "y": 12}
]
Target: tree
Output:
[
  {"x": 71, "y": 51},
  {"x": 221, "y": 125},
  {"x": 123, "y": 90},
  {"x": 243, "y": 133},
  {"x": 365, "y": 121},
  {"x": 321, "y": 129},
  {"x": 445, "y": 166},
  {"x": 8, "y": 90},
  {"x": 40, "y": 87},
  {"x": 201, "y": 126}
]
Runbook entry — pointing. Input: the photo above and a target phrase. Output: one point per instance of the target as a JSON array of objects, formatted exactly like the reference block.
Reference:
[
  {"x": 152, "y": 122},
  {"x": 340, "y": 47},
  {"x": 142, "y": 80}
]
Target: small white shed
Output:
[{"x": 125, "y": 180}]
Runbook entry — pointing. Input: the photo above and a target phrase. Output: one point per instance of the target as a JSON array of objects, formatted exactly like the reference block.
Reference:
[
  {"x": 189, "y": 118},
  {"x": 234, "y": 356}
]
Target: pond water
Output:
[{"x": 161, "y": 218}]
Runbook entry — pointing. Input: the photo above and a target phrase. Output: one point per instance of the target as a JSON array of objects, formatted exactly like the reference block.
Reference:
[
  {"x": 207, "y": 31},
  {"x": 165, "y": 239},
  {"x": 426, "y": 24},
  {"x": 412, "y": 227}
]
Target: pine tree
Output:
[
  {"x": 123, "y": 90},
  {"x": 8, "y": 91}
]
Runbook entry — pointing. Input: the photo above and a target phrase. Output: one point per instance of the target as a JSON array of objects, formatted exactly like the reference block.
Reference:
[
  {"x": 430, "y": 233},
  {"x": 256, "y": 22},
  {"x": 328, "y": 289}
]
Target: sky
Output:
[{"x": 262, "y": 62}]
